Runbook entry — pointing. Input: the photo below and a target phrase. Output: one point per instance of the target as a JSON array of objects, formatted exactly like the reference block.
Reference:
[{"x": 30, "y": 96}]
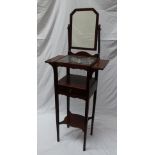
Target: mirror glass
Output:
[{"x": 83, "y": 29}]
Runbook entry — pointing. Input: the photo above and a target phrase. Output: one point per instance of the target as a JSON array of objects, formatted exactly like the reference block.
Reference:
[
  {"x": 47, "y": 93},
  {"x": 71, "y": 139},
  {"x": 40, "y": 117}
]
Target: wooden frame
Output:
[
  {"x": 96, "y": 27},
  {"x": 76, "y": 86}
]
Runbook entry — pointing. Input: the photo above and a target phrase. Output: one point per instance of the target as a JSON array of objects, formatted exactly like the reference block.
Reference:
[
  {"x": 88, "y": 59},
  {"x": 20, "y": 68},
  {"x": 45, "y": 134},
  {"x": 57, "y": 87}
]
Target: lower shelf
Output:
[{"x": 75, "y": 120}]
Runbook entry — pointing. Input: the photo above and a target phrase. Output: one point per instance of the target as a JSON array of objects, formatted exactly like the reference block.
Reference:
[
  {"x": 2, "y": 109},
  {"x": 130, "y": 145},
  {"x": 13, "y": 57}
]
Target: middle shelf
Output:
[{"x": 76, "y": 86}]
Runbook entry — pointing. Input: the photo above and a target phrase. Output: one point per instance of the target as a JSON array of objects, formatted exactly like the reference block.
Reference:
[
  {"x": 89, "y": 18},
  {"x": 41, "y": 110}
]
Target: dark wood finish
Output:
[
  {"x": 74, "y": 120},
  {"x": 93, "y": 112},
  {"x": 87, "y": 108},
  {"x": 82, "y": 53},
  {"x": 98, "y": 31},
  {"x": 85, "y": 123},
  {"x": 54, "y": 59},
  {"x": 68, "y": 110},
  {"x": 68, "y": 98},
  {"x": 100, "y": 64},
  {"x": 69, "y": 38},
  {"x": 56, "y": 101},
  {"x": 78, "y": 86},
  {"x": 76, "y": 81}
]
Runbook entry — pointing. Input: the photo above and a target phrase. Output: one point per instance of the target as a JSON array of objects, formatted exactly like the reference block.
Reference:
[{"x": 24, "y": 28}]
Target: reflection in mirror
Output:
[{"x": 83, "y": 29}]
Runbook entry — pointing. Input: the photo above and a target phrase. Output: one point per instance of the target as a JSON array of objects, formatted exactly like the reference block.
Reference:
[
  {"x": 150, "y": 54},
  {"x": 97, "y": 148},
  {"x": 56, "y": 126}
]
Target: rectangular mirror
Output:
[{"x": 84, "y": 29}]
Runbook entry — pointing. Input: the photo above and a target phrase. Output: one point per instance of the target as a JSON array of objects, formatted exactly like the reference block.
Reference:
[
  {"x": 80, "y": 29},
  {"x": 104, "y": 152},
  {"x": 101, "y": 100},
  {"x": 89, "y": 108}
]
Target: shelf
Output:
[
  {"x": 74, "y": 120},
  {"x": 75, "y": 81}
]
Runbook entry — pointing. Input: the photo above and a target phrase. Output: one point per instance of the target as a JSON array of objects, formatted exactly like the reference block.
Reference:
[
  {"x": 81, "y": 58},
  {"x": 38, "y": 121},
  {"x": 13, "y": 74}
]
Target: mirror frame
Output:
[{"x": 96, "y": 28}]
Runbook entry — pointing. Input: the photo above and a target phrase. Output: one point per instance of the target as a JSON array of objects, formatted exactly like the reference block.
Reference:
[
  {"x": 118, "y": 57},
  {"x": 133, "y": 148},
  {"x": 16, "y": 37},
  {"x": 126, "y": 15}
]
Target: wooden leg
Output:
[
  {"x": 68, "y": 108},
  {"x": 86, "y": 122},
  {"x": 68, "y": 98},
  {"x": 57, "y": 115},
  {"x": 56, "y": 101},
  {"x": 93, "y": 112}
]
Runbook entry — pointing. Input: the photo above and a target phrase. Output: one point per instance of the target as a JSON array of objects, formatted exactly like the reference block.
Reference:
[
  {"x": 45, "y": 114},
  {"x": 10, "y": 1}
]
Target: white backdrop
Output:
[{"x": 53, "y": 19}]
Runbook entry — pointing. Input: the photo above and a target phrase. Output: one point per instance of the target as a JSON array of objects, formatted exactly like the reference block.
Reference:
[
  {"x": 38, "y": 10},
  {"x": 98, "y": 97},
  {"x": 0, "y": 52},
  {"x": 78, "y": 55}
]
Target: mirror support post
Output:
[
  {"x": 99, "y": 30},
  {"x": 69, "y": 38}
]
